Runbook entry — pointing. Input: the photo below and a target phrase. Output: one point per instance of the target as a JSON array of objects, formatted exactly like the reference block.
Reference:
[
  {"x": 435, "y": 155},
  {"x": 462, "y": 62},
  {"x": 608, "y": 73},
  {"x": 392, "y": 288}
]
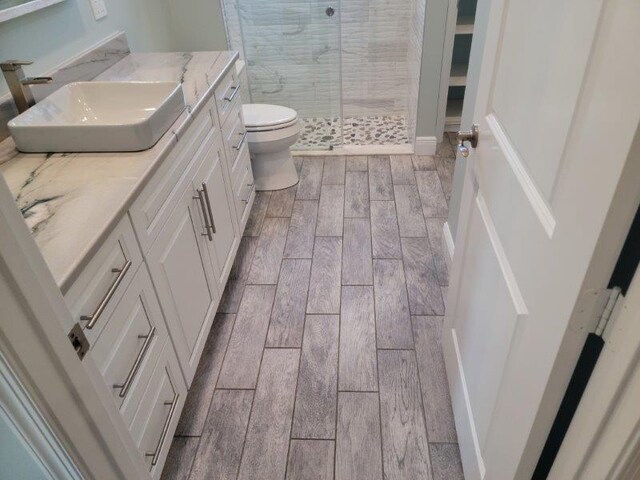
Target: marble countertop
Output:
[{"x": 72, "y": 201}]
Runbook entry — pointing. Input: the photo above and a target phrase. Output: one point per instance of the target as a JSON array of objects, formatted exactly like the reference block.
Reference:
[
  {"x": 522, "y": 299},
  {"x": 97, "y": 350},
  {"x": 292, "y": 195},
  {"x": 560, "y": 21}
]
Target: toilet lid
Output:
[{"x": 258, "y": 115}]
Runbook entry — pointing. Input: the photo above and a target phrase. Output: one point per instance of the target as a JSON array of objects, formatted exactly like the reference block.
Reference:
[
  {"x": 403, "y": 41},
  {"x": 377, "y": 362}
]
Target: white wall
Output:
[
  {"x": 196, "y": 25},
  {"x": 53, "y": 35},
  {"x": 432, "y": 53},
  {"x": 16, "y": 458}
]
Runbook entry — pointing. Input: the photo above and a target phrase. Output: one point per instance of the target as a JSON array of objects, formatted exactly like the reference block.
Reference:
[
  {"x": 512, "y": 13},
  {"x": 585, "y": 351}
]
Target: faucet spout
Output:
[
  {"x": 36, "y": 80},
  {"x": 19, "y": 84}
]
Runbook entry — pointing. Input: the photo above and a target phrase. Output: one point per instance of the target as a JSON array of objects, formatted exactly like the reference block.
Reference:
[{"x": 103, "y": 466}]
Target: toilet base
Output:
[{"x": 273, "y": 171}]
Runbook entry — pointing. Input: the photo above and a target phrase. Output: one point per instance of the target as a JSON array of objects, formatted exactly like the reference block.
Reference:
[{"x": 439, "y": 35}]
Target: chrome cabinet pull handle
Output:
[
  {"x": 212, "y": 223},
  {"x": 250, "y": 185},
  {"x": 244, "y": 136},
  {"x": 93, "y": 318},
  {"x": 236, "y": 89},
  {"x": 207, "y": 227},
  {"x": 124, "y": 388},
  {"x": 165, "y": 430}
]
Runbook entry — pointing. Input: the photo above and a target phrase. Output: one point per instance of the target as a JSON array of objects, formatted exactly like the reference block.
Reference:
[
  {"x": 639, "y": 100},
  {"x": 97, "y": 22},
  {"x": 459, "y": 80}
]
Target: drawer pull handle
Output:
[
  {"x": 207, "y": 228},
  {"x": 244, "y": 137},
  {"x": 212, "y": 223},
  {"x": 250, "y": 185},
  {"x": 124, "y": 388},
  {"x": 93, "y": 318},
  {"x": 165, "y": 430},
  {"x": 236, "y": 89}
]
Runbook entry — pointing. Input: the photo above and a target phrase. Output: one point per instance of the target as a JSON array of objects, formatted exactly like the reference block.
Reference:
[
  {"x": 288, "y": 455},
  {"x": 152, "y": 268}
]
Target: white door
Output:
[{"x": 558, "y": 106}]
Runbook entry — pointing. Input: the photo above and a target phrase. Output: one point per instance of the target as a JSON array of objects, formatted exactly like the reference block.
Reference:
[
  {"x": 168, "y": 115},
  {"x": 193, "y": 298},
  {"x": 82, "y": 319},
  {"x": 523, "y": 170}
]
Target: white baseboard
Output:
[
  {"x": 447, "y": 239},
  {"x": 426, "y": 145},
  {"x": 470, "y": 451}
]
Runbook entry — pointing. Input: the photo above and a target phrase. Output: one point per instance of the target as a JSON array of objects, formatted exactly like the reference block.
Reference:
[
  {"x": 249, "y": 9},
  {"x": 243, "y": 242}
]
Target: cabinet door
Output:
[
  {"x": 182, "y": 273},
  {"x": 222, "y": 244}
]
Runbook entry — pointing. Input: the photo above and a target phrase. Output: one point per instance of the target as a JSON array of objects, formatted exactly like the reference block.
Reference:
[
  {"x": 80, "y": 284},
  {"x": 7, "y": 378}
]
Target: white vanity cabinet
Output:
[
  {"x": 114, "y": 302},
  {"x": 156, "y": 282}
]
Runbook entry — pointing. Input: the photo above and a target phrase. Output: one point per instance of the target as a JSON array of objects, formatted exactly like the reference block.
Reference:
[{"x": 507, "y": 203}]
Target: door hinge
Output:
[
  {"x": 79, "y": 341},
  {"x": 615, "y": 294}
]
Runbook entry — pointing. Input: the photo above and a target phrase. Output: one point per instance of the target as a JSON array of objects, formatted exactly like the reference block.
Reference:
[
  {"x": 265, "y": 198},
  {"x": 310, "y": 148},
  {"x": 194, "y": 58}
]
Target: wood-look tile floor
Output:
[{"x": 325, "y": 360}]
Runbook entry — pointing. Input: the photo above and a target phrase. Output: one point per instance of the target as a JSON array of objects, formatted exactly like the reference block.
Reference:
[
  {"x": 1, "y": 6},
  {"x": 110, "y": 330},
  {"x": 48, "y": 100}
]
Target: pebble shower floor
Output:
[{"x": 320, "y": 133}]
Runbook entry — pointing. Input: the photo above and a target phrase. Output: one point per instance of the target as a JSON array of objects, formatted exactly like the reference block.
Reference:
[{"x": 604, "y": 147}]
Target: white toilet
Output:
[{"x": 271, "y": 130}]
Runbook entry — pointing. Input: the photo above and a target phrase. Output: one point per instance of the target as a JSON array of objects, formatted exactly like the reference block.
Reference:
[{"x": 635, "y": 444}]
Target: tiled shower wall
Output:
[
  {"x": 292, "y": 53},
  {"x": 366, "y": 56}
]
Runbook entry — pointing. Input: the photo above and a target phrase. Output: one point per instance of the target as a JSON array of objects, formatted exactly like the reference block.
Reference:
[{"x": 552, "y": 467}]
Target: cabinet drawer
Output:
[
  {"x": 94, "y": 295},
  {"x": 154, "y": 204},
  {"x": 244, "y": 193},
  {"x": 129, "y": 345},
  {"x": 235, "y": 139},
  {"x": 239, "y": 177},
  {"x": 158, "y": 413},
  {"x": 226, "y": 93}
]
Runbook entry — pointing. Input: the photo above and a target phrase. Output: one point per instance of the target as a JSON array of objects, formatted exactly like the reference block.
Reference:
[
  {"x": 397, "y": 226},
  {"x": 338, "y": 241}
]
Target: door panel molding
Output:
[
  {"x": 470, "y": 452},
  {"x": 501, "y": 256},
  {"x": 537, "y": 200},
  {"x": 493, "y": 310}
]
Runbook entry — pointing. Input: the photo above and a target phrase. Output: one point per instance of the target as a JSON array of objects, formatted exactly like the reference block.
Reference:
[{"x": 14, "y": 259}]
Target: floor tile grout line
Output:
[
  {"x": 244, "y": 285},
  {"x": 312, "y": 439},
  {"x": 226, "y": 347},
  {"x": 246, "y": 430},
  {"x": 357, "y": 391},
  {"x": 375, "y": 327},
  {"x": 304, "y": 325},
  {"x": 253, "y": 399},
  {"x": 413, "y": 339},
  {"x": 433, "y": 260},
  {"x": 335, "y": 444},
  {"x": 424, "y": 413},
  {"x": 214, "y": 388}
]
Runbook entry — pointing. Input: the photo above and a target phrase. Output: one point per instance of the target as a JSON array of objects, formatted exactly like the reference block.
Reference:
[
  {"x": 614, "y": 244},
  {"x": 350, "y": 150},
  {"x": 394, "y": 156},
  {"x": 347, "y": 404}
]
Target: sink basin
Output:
[{"x": 99, "y": 117}]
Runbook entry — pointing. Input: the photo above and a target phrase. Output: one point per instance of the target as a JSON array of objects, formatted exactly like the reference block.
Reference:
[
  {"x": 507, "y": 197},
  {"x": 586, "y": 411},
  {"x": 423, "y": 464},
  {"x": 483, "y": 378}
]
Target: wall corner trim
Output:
[
  {"x": 447, "y": 239},
  {"x": 426, "y": 145}
]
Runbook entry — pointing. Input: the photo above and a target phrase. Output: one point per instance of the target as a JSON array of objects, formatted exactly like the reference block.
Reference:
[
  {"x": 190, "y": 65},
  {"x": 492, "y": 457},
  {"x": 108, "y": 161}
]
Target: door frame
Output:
[
  {"x": 603, "y": 406},
  {"x": 69, "y": 394},
  {"x": 601, "y": 265}
]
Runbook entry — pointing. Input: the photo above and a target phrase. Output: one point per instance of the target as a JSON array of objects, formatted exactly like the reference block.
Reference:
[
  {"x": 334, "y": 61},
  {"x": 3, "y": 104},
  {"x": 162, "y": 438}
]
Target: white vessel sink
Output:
[{"x": 99, "y": 117}]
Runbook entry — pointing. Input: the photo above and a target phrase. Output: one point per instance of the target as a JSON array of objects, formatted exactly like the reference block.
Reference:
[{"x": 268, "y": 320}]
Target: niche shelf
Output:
[
  {"x": 459, "y": 63},
  {"x": 464, "y": 25},
  {"x": 458, "y": 76}
]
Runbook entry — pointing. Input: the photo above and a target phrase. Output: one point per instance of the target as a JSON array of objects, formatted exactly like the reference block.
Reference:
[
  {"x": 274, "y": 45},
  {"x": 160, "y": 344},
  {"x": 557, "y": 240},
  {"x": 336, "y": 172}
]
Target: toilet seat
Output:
[{"x": 260, "y": 117}]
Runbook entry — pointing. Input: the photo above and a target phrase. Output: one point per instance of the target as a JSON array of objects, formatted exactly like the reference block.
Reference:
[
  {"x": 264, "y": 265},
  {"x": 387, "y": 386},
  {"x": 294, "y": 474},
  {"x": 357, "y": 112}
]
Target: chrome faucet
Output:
[{"x": 19, "y": 84}]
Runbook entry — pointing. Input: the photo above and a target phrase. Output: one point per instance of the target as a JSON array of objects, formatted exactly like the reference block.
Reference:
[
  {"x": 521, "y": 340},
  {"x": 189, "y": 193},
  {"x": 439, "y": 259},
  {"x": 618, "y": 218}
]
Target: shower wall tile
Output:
[{"x": 362, "y": 56}]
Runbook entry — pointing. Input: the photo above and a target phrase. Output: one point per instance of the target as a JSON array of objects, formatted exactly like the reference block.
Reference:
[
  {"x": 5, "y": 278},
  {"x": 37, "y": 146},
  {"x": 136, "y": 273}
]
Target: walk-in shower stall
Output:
[{"x": 350, "y": 68}]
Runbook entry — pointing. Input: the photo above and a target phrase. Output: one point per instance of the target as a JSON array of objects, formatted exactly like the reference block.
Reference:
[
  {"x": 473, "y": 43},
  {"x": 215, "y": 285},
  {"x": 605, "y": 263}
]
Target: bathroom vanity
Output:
[{"x": 141, "y": 244}]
